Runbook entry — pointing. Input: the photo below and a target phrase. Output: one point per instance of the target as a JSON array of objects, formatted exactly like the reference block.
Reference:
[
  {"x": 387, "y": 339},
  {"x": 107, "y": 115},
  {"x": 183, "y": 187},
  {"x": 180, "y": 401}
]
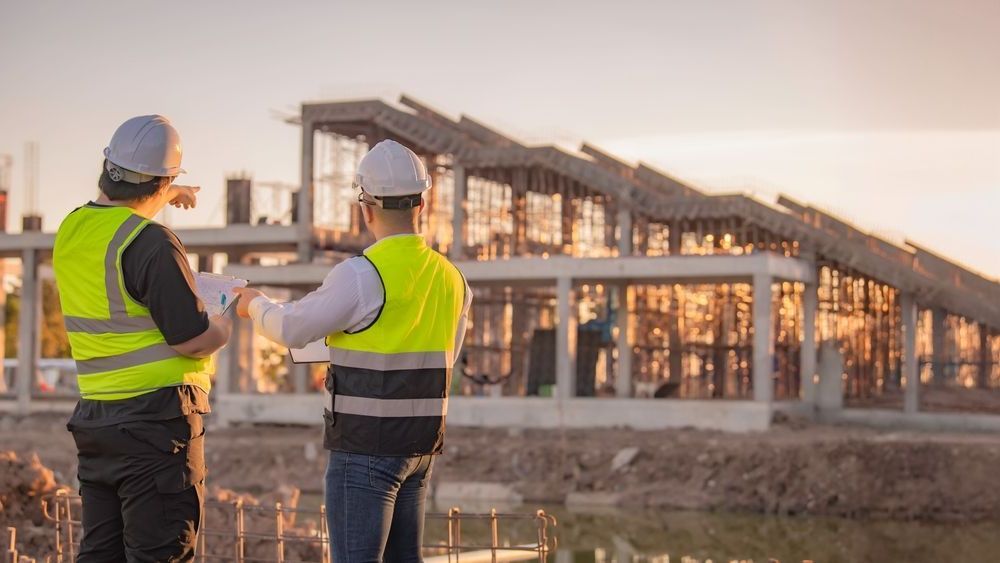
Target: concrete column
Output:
[
  {"x": 985, "y": 356},
  {"x": 565, "y": 340},
  {"x": 910, "y": 365},
  {"x": 224, "y": 367},
  {"x": 300, "y": 377},
  {"x": 239, "y": 361},
  {"x": 763, "y": 340},
  {"x": 938, "y": 316},
  {"x": 457, "y": 250},
  {"x": 807, "y": 351},
  {"x": 28, "y": 329},
  {"x": 3, "y": 324},
  {"x": 623, "y": 373},
  {"x": 675, "y": 327},
  {"x": 674, "y": 241},
  {"x": 624, "y": 232},
  {"x": 206, "y": 261},
  {"x": 305, "y": 208}
]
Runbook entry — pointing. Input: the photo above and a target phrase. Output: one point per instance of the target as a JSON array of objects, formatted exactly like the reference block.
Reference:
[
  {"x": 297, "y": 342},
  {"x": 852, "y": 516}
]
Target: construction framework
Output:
[{"x": 594, "y": 277}]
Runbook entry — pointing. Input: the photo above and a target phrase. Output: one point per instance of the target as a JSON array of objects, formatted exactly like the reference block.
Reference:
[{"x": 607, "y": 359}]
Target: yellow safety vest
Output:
[
  {"x": 119, "y": 351},
  {"x": 390, "y": 380}
]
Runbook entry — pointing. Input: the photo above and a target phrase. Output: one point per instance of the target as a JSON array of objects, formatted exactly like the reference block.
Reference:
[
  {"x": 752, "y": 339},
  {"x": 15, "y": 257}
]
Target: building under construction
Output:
[{"x": 596, "y": 279}]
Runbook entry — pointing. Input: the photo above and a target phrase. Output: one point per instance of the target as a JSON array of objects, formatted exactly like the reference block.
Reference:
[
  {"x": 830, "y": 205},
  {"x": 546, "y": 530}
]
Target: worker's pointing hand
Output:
[
  {"x": 246, "y": 295},
  {"x": 183, "y": 196}
]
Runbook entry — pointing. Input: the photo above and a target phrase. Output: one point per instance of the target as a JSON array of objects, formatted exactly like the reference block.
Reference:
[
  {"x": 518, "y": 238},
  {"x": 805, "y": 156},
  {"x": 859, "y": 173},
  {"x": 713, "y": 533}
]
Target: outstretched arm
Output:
[{"x": 350, "y": 294}]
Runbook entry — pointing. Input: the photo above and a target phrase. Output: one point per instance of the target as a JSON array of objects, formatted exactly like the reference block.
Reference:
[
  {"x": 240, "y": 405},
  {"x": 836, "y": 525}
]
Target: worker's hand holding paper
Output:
[{"x": 217, "y": 291}]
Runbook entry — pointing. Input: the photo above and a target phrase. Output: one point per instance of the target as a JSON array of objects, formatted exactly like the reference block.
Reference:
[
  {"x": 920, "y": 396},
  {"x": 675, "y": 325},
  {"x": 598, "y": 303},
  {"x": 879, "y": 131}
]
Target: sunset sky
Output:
[{"x": 885, "y": 112}]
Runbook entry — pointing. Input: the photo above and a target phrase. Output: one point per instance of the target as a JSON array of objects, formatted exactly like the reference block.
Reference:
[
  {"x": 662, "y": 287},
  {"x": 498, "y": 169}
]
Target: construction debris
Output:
[{"x": 623, "y": 458}]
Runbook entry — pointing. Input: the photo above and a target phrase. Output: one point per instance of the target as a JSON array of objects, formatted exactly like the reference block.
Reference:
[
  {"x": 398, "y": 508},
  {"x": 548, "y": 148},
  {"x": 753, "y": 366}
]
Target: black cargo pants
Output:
[{"x": 143, "y": 487}]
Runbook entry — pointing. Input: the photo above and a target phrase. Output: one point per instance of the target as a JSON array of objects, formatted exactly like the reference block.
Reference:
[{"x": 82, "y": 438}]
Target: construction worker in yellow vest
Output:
[
  {"x": 394, "y": 320},
  {"x": 142, "y": 344}
]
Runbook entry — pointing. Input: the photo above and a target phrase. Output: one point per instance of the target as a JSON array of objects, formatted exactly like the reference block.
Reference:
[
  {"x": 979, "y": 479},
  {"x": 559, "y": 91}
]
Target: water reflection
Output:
[{"x": 613, "y": 535}]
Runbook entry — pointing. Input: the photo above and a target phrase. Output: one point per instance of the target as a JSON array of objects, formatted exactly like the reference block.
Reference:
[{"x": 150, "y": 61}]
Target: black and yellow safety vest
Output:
[{"x": 390, "y": 380}]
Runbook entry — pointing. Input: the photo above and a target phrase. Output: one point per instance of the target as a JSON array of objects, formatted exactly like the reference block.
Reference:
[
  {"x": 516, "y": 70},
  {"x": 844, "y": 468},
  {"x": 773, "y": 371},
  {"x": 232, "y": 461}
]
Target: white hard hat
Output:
[
  {"x": 392, "y": 170},
  {"x": 142, "y": 148}
]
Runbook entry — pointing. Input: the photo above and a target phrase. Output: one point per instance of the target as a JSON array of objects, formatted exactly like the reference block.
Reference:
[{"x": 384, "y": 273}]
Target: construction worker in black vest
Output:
[
  {"x": 142, "y": 344},
  {"x": 394, "y": 320}
]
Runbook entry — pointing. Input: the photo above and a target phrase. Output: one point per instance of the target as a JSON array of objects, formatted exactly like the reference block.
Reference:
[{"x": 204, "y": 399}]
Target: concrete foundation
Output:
[{"x": 526, "y": 412}]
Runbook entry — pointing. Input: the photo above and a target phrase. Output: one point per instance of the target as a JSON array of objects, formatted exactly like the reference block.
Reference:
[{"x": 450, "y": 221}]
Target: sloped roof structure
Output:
[{"x": 935, "y": 281}]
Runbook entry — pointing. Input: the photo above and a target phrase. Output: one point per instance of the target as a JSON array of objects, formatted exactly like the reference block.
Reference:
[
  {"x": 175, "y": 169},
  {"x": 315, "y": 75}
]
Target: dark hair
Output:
[{"x": 124, "y": 191}]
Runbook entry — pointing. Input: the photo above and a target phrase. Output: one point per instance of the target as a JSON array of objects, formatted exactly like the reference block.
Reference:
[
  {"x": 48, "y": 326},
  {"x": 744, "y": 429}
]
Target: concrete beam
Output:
[
  {"x": 288, "y": 275},
  {"x": 528, "y": 412},
  {"x": 545, "y": 271},
  {"x": 255, "y": 238},
  {"x": 923, "y": 421},
  {"x": 763, "y": 342},
  {"x": 659, "y": 269}
]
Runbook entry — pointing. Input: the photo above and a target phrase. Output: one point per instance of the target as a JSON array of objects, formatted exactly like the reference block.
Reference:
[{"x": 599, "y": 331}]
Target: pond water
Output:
[
  {"x": 613, "y": 535},
  {"x": 637, "y": 536}
]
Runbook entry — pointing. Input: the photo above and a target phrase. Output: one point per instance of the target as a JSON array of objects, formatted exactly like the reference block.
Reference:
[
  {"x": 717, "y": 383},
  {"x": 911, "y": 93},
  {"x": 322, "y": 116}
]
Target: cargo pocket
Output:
[
  {"x": 176, "y": 447},
  {"x": 181, "y": 474}
]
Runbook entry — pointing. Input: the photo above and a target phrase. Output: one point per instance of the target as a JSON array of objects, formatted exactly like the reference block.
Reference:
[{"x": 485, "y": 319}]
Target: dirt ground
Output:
[{"x": 793, "y": 469}]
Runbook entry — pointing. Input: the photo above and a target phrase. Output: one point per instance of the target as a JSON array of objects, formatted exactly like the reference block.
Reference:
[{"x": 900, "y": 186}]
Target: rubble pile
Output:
[{"x": 24, "y": 482}]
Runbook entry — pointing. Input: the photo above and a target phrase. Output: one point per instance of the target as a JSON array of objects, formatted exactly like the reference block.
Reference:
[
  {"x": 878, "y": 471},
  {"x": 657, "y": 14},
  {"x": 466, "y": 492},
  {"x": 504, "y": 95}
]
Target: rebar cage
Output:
[{"x": 246, "y": 532}]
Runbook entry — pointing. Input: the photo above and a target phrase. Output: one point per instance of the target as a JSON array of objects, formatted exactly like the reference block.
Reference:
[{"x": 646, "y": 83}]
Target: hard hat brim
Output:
[{"x": 159, "y": 172}]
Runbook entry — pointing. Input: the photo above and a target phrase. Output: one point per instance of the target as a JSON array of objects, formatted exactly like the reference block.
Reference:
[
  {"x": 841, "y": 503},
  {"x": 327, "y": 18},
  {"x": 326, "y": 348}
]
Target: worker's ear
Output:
[
  {"x": 368, "y": 213},
  {"x": 420, "y": 208}
]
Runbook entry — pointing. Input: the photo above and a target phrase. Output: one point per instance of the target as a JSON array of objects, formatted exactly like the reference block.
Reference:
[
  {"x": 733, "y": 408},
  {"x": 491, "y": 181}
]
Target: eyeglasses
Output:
[{"x": 365, "y": 200}]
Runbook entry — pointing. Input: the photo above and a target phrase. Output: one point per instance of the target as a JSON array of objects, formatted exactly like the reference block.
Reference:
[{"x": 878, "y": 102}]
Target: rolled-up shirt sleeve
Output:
[{"x": 350, "y": 297}]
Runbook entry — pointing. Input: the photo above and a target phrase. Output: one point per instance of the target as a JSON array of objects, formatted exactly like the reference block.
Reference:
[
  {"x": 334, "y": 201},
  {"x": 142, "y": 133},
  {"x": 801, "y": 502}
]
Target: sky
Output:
[{"x": 886, "y": 112}]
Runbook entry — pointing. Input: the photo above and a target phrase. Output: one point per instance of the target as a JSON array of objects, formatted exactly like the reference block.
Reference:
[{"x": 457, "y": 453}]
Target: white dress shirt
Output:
[{"x": 349, "y": 299}]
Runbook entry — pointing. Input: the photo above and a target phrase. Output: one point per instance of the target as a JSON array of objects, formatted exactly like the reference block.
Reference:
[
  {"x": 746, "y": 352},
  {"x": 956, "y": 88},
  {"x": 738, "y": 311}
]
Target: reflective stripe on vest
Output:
[
  {"x": 390, "y": 380},
  {"x": 118, "y": 349},
  {"x": 146, "y": 355},
  {"x": 394, "y": 408},
  {"x": 383, "y": 362},
  {"x": 126, "y": 325}
]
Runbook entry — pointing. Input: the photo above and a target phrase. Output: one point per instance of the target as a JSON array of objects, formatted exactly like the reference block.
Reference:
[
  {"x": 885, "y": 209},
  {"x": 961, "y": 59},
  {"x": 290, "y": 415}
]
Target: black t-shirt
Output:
[{"x": 157, "y": 274}]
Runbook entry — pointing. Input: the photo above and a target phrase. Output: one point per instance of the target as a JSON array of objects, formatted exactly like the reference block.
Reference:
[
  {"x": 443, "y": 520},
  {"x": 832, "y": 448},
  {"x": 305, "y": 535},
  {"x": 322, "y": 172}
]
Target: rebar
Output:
[{"x": 277, "y": 539}]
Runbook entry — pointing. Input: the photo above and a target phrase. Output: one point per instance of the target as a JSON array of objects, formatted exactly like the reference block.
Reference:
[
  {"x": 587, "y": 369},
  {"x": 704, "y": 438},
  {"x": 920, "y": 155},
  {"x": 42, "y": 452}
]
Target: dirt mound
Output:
[
  {"x": 260, "y": 525},
  {"x": 24, "y": 482},
  {"x": 822, "y": 472},
  {"x": 796, "y": 468}
]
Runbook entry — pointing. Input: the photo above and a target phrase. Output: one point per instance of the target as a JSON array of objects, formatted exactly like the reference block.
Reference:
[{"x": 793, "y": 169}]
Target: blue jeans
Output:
[{"x": 375, "y": 506}]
